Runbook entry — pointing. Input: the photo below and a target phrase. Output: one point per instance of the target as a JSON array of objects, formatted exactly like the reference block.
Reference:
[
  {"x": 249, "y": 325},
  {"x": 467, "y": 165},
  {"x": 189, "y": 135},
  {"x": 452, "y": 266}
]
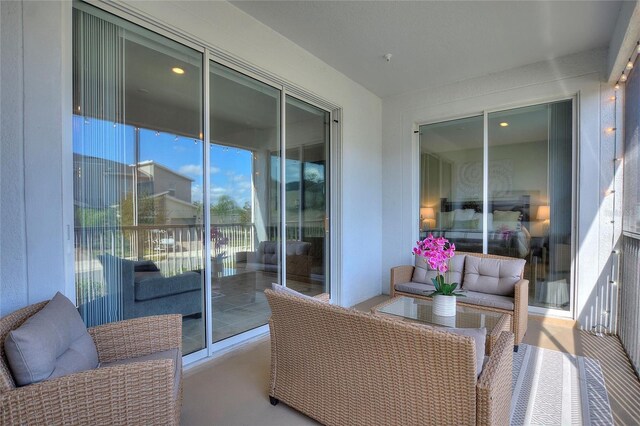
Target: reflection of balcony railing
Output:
[
  {"x": 628, "y": 317},
  {"x": 173, "y": 248}
]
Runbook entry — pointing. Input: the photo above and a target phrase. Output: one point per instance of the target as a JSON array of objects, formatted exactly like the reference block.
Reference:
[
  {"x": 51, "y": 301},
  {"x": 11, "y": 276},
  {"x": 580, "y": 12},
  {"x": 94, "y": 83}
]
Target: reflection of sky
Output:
[{"x": 230, "y": 167}]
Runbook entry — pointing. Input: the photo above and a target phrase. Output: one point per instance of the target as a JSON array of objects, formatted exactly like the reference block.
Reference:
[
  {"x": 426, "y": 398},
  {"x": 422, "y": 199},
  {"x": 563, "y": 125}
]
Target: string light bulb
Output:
[
  {"x": 616, "y": 87},
  {"x": 623, "y": 77},
  {"x": 629, "y": 64}
]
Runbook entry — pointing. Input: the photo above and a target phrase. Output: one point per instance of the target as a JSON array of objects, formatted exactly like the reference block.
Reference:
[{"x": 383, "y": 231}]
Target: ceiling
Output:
[{"x": 435, "y": 42}]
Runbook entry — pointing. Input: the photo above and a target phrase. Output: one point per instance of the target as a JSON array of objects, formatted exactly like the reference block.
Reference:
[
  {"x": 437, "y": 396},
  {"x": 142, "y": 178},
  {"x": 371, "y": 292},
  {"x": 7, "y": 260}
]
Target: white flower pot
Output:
[{"x": 444, "y": 306}]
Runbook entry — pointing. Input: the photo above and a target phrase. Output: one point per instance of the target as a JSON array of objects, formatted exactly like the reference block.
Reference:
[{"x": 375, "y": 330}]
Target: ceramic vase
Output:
[{"x": 444, "y": 306}]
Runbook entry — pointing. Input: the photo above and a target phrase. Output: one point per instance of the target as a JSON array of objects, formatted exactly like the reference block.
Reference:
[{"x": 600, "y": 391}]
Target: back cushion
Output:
[
  {"x": 423, "y": 273},
  {"x": 298, "y": 248},
  {"x": 492, "y": 276},
  {"x": 52, "y": 343}
]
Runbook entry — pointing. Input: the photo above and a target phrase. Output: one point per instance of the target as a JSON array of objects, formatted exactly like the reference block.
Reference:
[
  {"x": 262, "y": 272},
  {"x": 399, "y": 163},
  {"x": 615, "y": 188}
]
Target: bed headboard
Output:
[{"x": 521, "y": 204}]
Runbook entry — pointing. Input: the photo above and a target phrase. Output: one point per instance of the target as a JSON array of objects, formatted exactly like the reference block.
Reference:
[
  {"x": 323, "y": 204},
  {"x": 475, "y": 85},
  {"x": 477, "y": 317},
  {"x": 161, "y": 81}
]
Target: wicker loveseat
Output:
[
  {"x": 415, "y": 281},
  {"x": 148, "y": 392},
  {"x": 344, "y": 367}
]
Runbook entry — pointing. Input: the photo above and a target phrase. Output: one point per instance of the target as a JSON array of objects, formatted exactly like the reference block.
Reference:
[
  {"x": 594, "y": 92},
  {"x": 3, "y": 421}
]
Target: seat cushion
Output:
[
  {"x": 53, "y": 342},
  {"x": 423, "y": 273},
  {"x": 171, "y": 354},
  {"x": 488, "y": 300},
  {"x": 492, "y": 276},
  {"x": 421, "y": 289}
]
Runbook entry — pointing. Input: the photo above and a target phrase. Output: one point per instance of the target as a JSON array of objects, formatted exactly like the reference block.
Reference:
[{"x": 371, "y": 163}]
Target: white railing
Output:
[
  {"x": 629, "y": 313},
  {"x": 174, "y": 248}
]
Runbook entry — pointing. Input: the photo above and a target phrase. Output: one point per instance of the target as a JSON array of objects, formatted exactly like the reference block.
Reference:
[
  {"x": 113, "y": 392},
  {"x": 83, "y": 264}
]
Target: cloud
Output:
[
  {"x": 191, "y": 169},
  {"x": 214, "y": 170}
]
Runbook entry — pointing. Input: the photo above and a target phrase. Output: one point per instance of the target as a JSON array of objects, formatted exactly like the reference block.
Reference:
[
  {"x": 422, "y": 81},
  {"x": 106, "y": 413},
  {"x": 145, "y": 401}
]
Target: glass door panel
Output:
[
  {"x": 245, "y": 199},
  {"x": 307, "y": 197},
  {"x": 530, "y": 196},
  {"x": 137, "y": 148},
  {"x": 451, "y": 182}
]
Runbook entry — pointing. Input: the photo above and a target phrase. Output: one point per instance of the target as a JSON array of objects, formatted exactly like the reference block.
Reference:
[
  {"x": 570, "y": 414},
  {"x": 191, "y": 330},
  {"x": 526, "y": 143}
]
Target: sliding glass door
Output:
[
  {"x": 530, "y": 194},
  {"x": 137, "y": 173},
  {"x": 501, "y": 183},
  {"x": 196, "y": 186},
  {"x": 244, "y": 199},
  {"x": 307, "y": 207}
]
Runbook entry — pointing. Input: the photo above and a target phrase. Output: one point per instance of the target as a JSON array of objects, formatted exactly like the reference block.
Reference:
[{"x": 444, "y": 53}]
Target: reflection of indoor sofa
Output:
[
  {"x": 265, "y": 258},
  {"x": 145, "y": 291}
]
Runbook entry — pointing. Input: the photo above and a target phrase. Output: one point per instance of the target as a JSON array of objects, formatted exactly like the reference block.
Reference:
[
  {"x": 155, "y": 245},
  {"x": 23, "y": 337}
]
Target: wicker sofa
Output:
[
  {"x": 414, "y": 281},
  {"x": 340, "y": 366},
  {"x": 145, "y": 392}
]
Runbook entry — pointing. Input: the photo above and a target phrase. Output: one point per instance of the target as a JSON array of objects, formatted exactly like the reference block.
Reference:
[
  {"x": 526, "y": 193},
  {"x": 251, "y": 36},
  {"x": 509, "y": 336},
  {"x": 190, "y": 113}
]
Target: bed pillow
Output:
[
  {"x": 445, "y": 220},
  {"x": 466, "y": 214},
  {"x": 52, "y": 343},
  {"x": 506, "y": 220}
]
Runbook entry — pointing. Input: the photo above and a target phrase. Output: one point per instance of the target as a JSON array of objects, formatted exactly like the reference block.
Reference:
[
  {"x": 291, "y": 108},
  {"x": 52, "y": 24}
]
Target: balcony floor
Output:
[{"x": 232, "y": 389}]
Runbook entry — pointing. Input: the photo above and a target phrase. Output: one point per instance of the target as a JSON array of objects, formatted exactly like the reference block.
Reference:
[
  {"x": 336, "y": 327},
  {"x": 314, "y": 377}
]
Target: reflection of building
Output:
[{"x": 101, "y": 184}]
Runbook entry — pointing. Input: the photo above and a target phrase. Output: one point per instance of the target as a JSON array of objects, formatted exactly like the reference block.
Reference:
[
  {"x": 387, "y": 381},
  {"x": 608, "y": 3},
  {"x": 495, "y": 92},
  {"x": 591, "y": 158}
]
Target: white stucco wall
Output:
[
  {"x": 33, "y": 265},
  {"x": 36, "y": 162},
  {"x": 576, "y": 75}
]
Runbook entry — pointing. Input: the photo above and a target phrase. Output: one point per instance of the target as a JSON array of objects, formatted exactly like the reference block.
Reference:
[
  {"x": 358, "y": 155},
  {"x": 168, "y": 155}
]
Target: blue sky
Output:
[{"x": 230, "y": 167}]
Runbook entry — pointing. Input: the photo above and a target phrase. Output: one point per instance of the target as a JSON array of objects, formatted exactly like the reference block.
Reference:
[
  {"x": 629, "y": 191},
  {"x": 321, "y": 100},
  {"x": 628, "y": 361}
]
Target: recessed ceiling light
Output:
[
  {"x": 177, "y": 70},
  {"x": 504, "y": 124}
]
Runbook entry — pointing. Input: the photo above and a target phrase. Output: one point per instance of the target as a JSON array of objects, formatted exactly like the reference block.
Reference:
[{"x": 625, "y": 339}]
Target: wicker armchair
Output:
[{"x": 133, "y": 394}]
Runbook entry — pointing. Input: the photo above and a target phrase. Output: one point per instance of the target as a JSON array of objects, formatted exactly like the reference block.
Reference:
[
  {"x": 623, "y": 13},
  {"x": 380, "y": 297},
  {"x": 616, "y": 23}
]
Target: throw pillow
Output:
[
  {"x": 145, "y": 266},
  {"x": 479, "y": 336},
  {"x": 286, "y": 290},
  {"x": 53, "y": 342}
]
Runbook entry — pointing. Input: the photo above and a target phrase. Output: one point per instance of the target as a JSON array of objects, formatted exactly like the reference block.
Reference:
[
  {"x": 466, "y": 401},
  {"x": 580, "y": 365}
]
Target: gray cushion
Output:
[
  {"x": 479, "y": 336},
  {"x": 493, "y": 276},
  {"x": 423, "y": 273},
  {"x": 488, "y": 300},
  {"x": 52, "y": 343},
  {"x": 422, "y": 289},
  {"x": 155, "y": 287},
  {"x": 171, "y": 354},
  {"x": 282, "y": 289},
  {"x": 145, "y": 266}
]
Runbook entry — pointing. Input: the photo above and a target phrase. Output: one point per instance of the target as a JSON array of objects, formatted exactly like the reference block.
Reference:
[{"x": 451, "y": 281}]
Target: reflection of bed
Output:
[{"x": 507, "y": 233}]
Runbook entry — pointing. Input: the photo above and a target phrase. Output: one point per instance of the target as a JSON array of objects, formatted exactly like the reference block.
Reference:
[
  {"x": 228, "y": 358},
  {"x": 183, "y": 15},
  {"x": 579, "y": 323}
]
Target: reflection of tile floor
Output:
[{"x": 239, "y": 304}]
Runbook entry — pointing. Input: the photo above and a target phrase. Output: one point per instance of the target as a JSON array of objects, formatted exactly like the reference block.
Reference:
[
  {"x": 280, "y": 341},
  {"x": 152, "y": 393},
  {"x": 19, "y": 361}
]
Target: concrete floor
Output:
[{"x": 232, "y": 389}]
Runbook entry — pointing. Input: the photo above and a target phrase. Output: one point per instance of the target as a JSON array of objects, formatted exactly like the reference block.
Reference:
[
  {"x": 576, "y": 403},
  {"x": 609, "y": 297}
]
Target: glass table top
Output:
[{"x": 420, "y": 310}]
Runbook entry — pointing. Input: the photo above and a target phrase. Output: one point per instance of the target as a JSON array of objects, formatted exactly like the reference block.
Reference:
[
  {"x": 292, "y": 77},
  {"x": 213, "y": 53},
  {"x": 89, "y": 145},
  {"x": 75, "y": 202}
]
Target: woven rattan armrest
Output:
[
  {"x": 325, "y": 297},
  {"x": 399, "y": 275},
  {"x": 136, "y": 394},
  {"x": 494, "y": 384},
  {"x": 137, "y": 337},
  {"x": 520, "y": 310}
]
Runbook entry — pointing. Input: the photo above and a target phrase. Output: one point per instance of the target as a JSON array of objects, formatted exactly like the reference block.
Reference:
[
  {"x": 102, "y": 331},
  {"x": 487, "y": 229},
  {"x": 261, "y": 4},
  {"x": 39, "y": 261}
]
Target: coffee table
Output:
[{"x": 420, "y": 310}]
